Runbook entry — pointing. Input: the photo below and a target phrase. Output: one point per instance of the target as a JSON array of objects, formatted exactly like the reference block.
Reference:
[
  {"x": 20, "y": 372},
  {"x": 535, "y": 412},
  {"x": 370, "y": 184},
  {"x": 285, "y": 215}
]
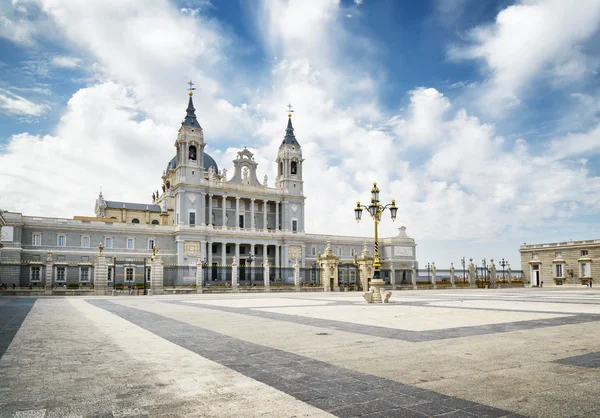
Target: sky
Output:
[{"x": 481, "y": 118}]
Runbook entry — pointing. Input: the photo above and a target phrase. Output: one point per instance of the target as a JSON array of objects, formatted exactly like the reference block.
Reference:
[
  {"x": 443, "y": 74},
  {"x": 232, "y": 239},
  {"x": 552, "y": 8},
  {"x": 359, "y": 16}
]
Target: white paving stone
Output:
[
  {"x": 522, "y": 306},
  {"x": 411, "y": 318}
]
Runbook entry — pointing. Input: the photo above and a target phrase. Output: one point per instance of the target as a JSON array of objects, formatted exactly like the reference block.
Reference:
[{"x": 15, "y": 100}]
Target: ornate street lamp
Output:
[
  {"x": 428, "y": 267},
  {"x": 462, "y": 261},
  {"x": 503, "y": 264},
  {"x": 375, "y": 209}
]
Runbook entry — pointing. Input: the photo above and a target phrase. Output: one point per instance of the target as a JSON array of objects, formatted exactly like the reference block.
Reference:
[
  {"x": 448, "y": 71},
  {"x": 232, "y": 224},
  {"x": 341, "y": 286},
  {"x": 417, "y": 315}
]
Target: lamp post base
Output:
[{"x": 377, "y": 293}]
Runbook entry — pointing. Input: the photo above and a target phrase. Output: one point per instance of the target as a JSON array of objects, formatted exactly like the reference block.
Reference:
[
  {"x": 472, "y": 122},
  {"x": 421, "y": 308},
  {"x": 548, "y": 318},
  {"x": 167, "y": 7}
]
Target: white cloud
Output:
[
  {"x": 14, "y": 104},
  {"x": 65, "y": 62},
  {"x": 572, "y": 145},
  {"x": 427, "y": 111},
  {"x": 532, "y": 39},
  {"x": 99, "y": 142}
]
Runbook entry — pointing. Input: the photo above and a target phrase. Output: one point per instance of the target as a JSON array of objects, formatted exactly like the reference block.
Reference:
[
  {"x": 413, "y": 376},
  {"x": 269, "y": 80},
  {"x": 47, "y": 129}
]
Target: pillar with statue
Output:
[
  {"x": 48, "y": 278},
  {"x": 365, "y": 267},
  {"x": 101, "y": 273},
  {"x": 452, "y": 276},
  {"x": 493, "y": 276},
  {"x": 156, "y": 273},
  {"x": 472, "y": 279},
  {"x": 414, "y": 275}
]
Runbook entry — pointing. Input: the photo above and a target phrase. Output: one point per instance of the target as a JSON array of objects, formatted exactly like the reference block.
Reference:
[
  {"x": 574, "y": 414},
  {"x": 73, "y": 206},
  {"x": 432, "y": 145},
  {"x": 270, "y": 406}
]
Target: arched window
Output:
[
  {"x": 135, "y": 221},
  {"x": 192, "y": 152},
  {"x": 154, "y": 222},
  {"x": 294, "y": 167}
]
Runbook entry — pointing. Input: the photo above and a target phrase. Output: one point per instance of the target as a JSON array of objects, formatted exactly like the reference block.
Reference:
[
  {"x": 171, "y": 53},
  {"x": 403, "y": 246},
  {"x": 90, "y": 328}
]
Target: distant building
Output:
[
  {"x": 561, "y": 263},
  {"x": 200, "y": 213}
]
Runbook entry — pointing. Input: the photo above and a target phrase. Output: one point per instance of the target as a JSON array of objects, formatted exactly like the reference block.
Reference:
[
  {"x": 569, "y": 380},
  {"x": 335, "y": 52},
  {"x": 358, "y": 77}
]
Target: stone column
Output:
[
  {"x": 297, "y": 276},
  {"x": 472, "y": 282},
  {"x": 452, "y": 275},
  {"x": 48, "y": 278},
  {"x": 237, "y": 251},
  {"x": 101, "y": 276},
  {"x": 285, "y": 254},
  {"x": 223, "y": 253},
  {"x": 265, "y": 207},
  {"x": 199, "y": 276},
  {"x": 234, "y": 275},
  {"x": 492, "y": 270},
  {"x": 202, "y": 215},
  {"x": 224, "y": 212},
  {"x": 392, "y": 276},
  {"x": 365, "y": 267},
  {"x": 254, "y": 263},
  {"x": 413, "y": 275},
  {"x": 237, "y": 212},
  {"x": 276, "y": 216},
  {"x": 203, "y": 250},
  {"x": 277, "y": 255},
  {"x": 156, "y": 276},
  {"x": 434, "y": 275},
  {"x": 267, "y": 268},
  {"x": 209, "y": 217},
  {"x": 252, "y": 225}
]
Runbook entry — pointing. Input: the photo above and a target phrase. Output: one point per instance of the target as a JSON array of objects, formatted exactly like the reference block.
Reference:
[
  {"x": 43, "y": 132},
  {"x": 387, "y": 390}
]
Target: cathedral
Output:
[{"x": 200, "y": 213}]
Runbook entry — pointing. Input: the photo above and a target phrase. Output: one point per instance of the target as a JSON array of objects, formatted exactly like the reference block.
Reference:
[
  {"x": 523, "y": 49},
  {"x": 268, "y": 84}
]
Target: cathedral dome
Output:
[{"x": 208, "y": 162}]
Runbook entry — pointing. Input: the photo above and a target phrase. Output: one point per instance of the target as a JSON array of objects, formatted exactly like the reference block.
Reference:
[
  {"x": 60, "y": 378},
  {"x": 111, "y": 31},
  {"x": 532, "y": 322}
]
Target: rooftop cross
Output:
[
  {"x": 290, "y": 111},
  {"x": 192, "y": 88}
]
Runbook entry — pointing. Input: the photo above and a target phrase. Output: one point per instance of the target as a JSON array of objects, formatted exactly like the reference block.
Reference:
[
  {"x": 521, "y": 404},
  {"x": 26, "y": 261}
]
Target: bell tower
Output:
[
  {"x": 289, "y": 161},
  {"x": 289, "y": 179},
  {"x": 190, "y": 147}
]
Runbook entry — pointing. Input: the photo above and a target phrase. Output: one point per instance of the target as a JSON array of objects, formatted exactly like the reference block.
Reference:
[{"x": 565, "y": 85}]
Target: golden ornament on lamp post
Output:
[{"x": 375, "y": 209}]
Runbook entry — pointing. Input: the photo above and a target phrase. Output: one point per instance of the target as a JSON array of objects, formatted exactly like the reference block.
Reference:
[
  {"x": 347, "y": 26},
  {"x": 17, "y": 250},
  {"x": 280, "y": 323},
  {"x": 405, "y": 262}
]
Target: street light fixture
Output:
[
  {"x": 503, "y": 264},
  {"x": 428, "y": 267},
  {"x": 375, "y": 209}
]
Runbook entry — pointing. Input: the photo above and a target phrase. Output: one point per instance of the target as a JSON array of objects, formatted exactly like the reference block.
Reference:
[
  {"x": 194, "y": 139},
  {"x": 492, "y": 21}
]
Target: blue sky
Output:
[{"x": 480, "y": 117}]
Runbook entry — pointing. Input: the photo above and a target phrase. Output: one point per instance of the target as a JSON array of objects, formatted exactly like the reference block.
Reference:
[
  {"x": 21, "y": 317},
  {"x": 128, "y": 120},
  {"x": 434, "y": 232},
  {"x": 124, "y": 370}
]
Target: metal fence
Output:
[
  {"x": 179, "y": 275},
  {"x": 402, "y": 277},
  {"x": 281, "y": 275},
  {"x": 251, "y": 275},
  {"x": 217, "y": 275},
  {"x": 21, "y": 275},
  {"x": 310, "y": 276}
]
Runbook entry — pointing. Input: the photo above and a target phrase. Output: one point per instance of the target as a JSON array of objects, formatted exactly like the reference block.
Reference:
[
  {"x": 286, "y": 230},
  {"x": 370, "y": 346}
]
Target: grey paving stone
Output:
[
  {"x": 457, "y": 414},
  {"x": 432, "y": 408},
  {"x": 585, "y": 360},
  {"x": 487, "y": 411},
  {"x": 12, "y": 314}
]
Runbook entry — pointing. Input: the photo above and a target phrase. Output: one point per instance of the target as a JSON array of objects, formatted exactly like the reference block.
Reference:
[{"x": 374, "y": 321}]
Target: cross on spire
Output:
[
  {"x": 192, "y": 88},
  {"x": 290, "y": 111}
]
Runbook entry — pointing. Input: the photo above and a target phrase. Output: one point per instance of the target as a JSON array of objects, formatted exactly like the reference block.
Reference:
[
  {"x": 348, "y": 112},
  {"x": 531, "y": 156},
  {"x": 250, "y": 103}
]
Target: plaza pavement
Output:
[{"x": 450, "y": 353}]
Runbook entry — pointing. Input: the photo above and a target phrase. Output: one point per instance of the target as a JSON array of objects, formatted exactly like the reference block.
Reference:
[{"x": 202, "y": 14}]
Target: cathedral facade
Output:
[{"x": 200, "y": 213}]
